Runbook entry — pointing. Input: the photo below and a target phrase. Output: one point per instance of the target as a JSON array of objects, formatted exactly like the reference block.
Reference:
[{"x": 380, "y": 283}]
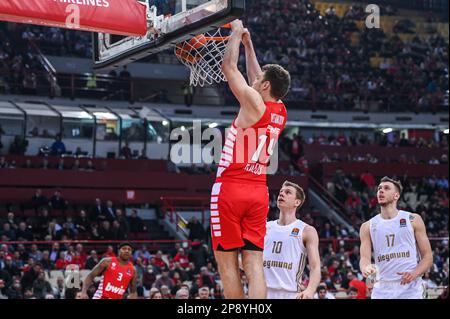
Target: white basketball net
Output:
[{"x": 203, "y": 55}]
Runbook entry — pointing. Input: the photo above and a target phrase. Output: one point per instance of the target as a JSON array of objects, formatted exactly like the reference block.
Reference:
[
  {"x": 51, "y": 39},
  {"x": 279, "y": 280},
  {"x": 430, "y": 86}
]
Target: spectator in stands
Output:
[
  {"x": 105, "y": 231},
  {"x": 109, "y": 252},
  {"x": 98, "y": 211},
  {"x": 181, "y": 258},
  {"x": 15, "y": 291},
  {"x": 3, "y": 162},
  {"x": 7, "y": 232},
  {"x": 3, "y": 290},
  {"x": 121, "y": 219},
  {"x": 30, "y": 276},
  {"x": 59, "y": 290},
  {"x": 158, "y": 260},
  {"x": 46, "y": 263},
  {"x": 352, "y": 293},
  {"x": 164, "y": 280},
  {"x": 54, "y": 252},
  {"x": 327, "y": 232},
  {"x": 92, "y": 260},
  {"x": 110, "y": 211},
  {"x": 41, "y": 287},
  {"x": 39, "y": 200},
  {"x": 18, "y": 146},
  {"x": 198, "y": 255},
  {"x": 322, "y": 293},
  {"x": 12, "y": 221},
  {"x": 66, "y": 232},
  {"x": 125, "y": 152},
  {"x": 182, "y": 293},
  {"x": 361, "y": 287},
  {"x": 58, "y": 148},
  {"x": 203, "y": 293},
  {"x": 142, "y": 253},
  {"x": 196, "y": 230},
  {"x": 82, "y": 223},
  {"x": 35, "y": 253},
  {"x": 207, "y": 277},
  {"x": 24, "y": 233},
  {"x": 10, "y": 268},
  {"x": 57, "y": 201},
  {"x": 135, "y": 222},
  {"x": 368, "y": 179},
  {"x": 148, "y": 278},
  {"x": 118, "y": 232},
  {"x": 155, "y": 294},
  {"x": 53, "y": 228},
  {"x": 61, "y": 263}
]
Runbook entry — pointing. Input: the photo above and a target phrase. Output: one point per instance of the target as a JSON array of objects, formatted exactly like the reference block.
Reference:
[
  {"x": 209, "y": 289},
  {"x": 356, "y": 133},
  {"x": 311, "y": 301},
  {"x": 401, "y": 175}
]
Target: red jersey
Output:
[
  {"x": 115, "y": 280},
  {"x": 246, "y": 153}
]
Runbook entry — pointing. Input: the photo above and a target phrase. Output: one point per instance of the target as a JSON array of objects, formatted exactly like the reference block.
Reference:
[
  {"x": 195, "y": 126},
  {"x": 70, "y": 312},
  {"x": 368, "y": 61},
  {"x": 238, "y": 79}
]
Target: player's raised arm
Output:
[
  {"x": 424, "y": 247},
  {"x": 97, "y": 271},
  {"x": 133, "y": 287},
  {"x": 311, "y": 240},
  {"x": 365, "y": 263},
  {"x": 248, "y": 97},
  {"x": 253, "y": 68}
]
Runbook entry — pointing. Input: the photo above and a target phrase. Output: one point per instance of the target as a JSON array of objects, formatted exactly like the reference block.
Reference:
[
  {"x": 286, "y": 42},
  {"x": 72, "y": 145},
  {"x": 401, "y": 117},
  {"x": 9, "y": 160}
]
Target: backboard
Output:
[{"x": 169, "y": 22}]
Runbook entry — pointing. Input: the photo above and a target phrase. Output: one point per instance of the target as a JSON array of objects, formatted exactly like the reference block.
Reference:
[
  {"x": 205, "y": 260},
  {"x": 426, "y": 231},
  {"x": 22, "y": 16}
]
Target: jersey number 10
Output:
[{"x": 277, "y": 245}]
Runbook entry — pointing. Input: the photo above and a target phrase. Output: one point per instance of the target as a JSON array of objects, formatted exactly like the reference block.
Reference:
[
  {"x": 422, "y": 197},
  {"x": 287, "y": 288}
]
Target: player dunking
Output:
[
  {"x": 240, "y": 198},
  {"x": 118, "y": 273},
  {"x": 395, "y": 236},
  {"x": 287, "y": 244}
]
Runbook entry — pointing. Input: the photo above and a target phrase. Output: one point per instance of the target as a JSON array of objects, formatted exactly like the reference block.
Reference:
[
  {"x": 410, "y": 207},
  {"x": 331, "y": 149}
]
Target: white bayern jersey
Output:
[
  {"x": 284, "y": 255},
  {"x": 394, "y": 245}
]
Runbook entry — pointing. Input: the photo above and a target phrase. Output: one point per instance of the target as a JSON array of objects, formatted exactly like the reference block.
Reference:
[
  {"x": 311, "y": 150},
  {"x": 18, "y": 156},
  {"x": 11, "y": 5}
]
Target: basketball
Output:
[
  {"x": 198, "y": 41},
  {"x": 183, "y": 52}
]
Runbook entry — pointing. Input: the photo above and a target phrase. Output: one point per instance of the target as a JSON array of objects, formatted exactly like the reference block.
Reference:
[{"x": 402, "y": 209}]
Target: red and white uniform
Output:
[
  {"x": 240, "y": 197},
  {"x": 115, "y": 280}
]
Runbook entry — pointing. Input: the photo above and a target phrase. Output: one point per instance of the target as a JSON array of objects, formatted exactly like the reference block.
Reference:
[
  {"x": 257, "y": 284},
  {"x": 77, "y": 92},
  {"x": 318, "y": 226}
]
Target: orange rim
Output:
[{"x": 216, "y": 39}]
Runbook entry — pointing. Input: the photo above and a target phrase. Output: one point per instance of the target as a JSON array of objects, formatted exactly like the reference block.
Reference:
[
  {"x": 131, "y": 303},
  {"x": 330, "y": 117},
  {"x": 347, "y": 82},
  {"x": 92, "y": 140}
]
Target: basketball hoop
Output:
[{"x": 203, "y": 55}]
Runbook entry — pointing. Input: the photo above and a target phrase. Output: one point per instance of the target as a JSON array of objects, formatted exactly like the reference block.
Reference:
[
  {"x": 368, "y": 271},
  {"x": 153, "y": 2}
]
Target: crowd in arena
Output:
[
  {"x": 331, "y": 73},
  {"x": 55, "y": 218},
  {"x": 328, "y": 71},
  {"x": 19, "y": 66},
  {"x": 182, "y": 272}
]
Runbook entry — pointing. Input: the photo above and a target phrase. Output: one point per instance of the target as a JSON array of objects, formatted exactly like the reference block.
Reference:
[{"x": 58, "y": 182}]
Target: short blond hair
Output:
[{"x": 299, "y": 192}]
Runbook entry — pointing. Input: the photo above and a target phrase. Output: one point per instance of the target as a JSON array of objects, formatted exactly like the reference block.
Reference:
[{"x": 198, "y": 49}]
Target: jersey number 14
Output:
[{"x": 270, "y": 149}]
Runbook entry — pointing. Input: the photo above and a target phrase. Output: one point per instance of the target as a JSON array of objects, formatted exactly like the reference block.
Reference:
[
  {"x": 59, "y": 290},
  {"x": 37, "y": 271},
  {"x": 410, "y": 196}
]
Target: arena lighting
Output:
[
  {"x": 213, "y": 125},
  {"x": 165, "y": 123},
  {"x": 105, "y": 116},
  {"x": 446, "y": 131},
  {"x": 387, "y": 130}
]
